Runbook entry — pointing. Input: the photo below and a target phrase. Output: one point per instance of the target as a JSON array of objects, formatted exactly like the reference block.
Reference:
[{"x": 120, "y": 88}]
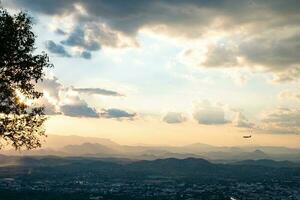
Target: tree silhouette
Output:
[{"x": 21, "y": 125}]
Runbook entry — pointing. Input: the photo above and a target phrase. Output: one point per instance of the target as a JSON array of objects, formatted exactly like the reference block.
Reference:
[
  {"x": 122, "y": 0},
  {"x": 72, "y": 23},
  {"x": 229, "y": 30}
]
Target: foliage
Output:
[{"x": 21, "y": 125}]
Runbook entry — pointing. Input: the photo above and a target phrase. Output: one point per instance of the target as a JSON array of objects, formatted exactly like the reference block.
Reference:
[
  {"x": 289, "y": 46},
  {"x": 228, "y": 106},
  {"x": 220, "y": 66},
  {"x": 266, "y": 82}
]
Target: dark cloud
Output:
[
  {"x": 266, "y": 32},
  {"x": 77, "y": 38},
  {"x": 221, "y": 55},
  {"x": 279, "y": 55},
  {"x": 61, "y": 51},
  {"x": 130, "y": 16},
  {"x": 174, "y": 118},
  {"x": 80, "y": 110},
  {"x": 60, "y": 31},
  {"x": 117, "y": 113},
  {"x": 56, "y": 49},
  {"x": 99, "y": 91},
  {"x": 86, "y": 55},
  {"x": 275, "y": 52},
  {"x": 48, "y": 7}
]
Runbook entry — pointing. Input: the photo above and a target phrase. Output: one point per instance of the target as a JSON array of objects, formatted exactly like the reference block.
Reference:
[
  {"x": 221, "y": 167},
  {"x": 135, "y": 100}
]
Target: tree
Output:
[{"x": 21, "y": 125}]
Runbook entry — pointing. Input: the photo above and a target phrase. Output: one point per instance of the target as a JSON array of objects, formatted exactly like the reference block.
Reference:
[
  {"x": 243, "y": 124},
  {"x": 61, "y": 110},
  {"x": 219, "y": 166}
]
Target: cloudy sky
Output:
[{"x": 171, "y": 72}]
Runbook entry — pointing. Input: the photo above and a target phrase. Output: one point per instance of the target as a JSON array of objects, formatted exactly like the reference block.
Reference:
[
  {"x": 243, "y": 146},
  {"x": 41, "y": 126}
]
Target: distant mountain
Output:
[
  {"x": 88, "y": 149},
  {"x": 7, "y": 160},
  {"x": 257, "y": 154},
  {"x": 274, "y": 150},
  {"x": 202, "y": 148},
  {"x": 99, "y": 147},
  {"x": 268, "y": 163},
  {"x": 236, "y": 155},
  {"x": 60, "y": 141},
  {"x": 60, "y": 145},
  {"x": 199, "y": 147}
]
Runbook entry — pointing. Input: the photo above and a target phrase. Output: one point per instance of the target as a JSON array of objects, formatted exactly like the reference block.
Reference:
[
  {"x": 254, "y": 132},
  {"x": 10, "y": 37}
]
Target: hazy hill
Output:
[
  {"x": 99, "y": 147},
  {"x": 88, "y": 149},
  {"x": 60, "y": 141},
  {"x": 267, "y": 163},
  {"x": 190, "y": 168},
  {"x": 172, "y": 166}
]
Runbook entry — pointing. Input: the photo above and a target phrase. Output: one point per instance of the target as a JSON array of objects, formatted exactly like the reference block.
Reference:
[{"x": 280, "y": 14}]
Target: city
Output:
[{"x": 105, "y": 180}]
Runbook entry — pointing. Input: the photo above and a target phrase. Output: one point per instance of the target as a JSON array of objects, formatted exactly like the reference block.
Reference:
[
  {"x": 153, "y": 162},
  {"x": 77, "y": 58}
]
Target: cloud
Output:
[
  {"x": 48, "y": 7},
  {"x": 241, "y": 121},
  {"x": 174, "y": 118},
  {"x": 289, "y": 95},
  {"x": 288, "y": 75},
  {"x": 220, "y": 55},
  {"x": 277, "y": 52},
  {"x": 280, "y": 55},
  {"x": 58, "y": 99},
  {"x": 61, "y": 100},
  {"x": 61, "y": 51},
  {"x": 117, "y": 113},
  {"x": 265, "y": 52},
  {"x": 51, "y": 86},
  {"x": 56, "y": 49},
  {"x": 189, "y": 18},
  {"x": 91, "y": 35},
  {"x": 262, "y": 34},
  {"x": 78, "y": 38},
  {"x": 60, "y": 31},
  {"x": 79, "y": 110},
  {"x": 86, "y": 55},
  {"x": 71, "y": 104},
  {"x": 50, "y": 107},
  {"x": 208, "y": 114},
  {"x": 98, "y": 91},
  {"x": 281, "y": 121}
]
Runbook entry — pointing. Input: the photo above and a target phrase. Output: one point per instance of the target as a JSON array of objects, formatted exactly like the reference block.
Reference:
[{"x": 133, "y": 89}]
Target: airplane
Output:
[{"x": 248, "y": 136}]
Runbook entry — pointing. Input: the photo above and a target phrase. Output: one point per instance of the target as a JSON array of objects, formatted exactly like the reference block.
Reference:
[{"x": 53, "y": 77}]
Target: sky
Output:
[{"x": 170, "y": 72}]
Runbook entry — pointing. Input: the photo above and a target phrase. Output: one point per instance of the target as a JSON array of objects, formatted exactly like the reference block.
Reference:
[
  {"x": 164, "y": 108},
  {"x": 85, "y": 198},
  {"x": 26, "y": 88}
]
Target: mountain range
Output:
[
  {"x": 104, "y": 148},
  {"x": 189, "y": 167}
]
